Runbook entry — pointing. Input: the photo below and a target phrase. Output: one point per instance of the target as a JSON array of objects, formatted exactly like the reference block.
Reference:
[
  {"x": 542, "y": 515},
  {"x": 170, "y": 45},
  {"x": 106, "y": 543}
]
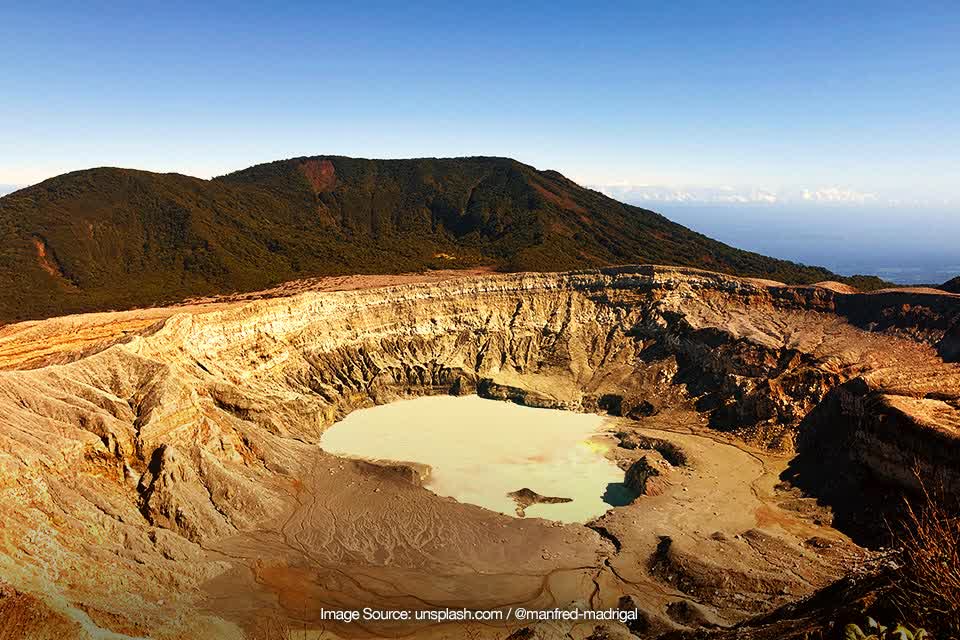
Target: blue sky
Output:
[{"x": 820, "y": 104}]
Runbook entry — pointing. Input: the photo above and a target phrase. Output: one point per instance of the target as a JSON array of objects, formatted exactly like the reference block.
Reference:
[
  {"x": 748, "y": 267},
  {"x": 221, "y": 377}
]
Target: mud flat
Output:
[{"x": 479, "y": 451}]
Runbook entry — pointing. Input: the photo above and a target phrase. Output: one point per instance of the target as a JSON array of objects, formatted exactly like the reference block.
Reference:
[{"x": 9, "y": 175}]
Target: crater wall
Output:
[{"x": 151, "y": 435}]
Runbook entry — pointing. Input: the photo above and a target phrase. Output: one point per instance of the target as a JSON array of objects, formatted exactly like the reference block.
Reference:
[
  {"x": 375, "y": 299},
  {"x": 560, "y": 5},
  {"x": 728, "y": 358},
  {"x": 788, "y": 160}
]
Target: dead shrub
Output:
[{"x": 927, "y": 591}]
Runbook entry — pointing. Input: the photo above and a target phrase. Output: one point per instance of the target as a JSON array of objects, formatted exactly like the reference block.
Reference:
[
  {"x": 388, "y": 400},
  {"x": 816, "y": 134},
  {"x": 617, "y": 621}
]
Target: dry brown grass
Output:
[{"x": 928, "y": 591}]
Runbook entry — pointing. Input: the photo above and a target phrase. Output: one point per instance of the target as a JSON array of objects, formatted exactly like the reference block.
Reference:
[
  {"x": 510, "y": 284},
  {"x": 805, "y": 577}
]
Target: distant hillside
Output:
[
  {"x": 952, "y": 285},
  {"x": 116, "y": 238}
]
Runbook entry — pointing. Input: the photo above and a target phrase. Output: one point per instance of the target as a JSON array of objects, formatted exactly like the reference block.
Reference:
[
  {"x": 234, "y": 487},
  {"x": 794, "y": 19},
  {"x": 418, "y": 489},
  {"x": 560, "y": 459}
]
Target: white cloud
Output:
[
  {"x": 688, "y": 194},
  {"x": 838, "y": 195},
  {"x": 8, "y": 188},
  {"x": 727, "y": 194}
]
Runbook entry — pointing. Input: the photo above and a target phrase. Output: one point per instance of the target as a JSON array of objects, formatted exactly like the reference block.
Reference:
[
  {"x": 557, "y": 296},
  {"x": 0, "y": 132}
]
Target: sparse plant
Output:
[
  {"x": 872, "y": 630},
  {"x": 927, "y": 588}
]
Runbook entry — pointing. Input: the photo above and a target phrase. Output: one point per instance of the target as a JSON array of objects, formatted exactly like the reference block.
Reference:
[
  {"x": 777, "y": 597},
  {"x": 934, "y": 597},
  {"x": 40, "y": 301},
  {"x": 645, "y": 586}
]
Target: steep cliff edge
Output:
[{"x": 158, "y": 441}]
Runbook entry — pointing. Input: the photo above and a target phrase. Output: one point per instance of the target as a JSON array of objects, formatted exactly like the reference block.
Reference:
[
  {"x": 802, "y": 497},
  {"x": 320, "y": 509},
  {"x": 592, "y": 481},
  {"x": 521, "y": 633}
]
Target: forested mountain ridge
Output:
[{"x": 110, "y": 238}]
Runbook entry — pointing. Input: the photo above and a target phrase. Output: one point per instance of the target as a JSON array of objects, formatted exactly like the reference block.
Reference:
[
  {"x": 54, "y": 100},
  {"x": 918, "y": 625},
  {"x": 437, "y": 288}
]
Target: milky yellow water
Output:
[{"x": 480, "y": 450}]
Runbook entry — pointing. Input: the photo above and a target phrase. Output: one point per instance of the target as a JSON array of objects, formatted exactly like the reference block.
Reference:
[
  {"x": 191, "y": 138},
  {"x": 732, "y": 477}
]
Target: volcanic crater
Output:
[{"x": 183, "y": 448}]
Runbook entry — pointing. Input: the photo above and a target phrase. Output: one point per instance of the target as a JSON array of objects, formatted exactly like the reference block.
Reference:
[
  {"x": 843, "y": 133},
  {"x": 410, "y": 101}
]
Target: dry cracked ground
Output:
[{"x": 161, "y": 474}]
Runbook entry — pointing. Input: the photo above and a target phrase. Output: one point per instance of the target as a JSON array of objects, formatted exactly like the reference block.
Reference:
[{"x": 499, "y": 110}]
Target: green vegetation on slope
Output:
[{"x": 117, "y": 238}]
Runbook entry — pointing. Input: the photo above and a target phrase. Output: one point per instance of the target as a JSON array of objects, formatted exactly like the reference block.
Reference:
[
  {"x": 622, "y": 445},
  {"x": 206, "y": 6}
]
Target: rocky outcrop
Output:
[
  {"x": 901, "y": 440},
  {"x": 526, "y": 497},
  {"x": 638, "y": 476},
  {"x": 489, "y": 389},
  {"x": 669, "y": 451},
  {"x": 407, "y": 472}
]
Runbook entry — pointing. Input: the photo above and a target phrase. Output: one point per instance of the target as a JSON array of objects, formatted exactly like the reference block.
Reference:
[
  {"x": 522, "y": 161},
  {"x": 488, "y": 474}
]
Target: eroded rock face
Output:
[{"x": 163, "y": 434}]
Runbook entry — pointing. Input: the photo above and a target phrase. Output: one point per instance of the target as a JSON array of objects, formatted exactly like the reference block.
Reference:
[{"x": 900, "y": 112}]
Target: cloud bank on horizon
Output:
[{"x": 729, "y": 195}]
